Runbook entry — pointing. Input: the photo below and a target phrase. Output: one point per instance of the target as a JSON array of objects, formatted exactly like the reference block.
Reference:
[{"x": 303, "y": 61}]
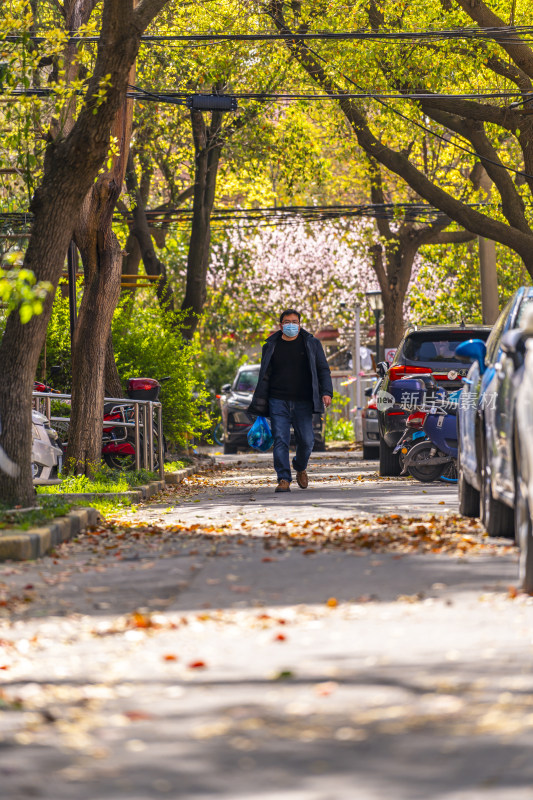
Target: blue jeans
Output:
[{"x": 282, "y": 414}]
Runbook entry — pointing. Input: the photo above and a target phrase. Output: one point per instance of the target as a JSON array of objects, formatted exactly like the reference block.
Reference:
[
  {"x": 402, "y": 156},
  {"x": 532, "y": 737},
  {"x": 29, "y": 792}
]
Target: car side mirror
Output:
[
  {"x": 226, "y": 388},
  {"x": 382, "y": 369},
  {"x": 513, "y": 344},
  {"x": 472, "y": 350},
  {"x": 368, "y": 391}
]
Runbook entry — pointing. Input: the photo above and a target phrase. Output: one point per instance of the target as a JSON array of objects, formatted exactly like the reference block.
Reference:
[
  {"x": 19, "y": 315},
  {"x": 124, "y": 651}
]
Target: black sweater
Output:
[{"x": 290, "y": 374}]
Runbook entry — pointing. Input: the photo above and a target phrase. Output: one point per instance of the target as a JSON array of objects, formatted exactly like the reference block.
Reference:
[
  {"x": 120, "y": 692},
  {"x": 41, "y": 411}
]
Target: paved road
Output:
[{"x": 223, "y": 663}]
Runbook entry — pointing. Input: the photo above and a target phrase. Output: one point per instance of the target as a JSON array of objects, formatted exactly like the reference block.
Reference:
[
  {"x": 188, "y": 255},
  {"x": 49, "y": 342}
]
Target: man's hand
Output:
[{"x": 326, "y": 400}]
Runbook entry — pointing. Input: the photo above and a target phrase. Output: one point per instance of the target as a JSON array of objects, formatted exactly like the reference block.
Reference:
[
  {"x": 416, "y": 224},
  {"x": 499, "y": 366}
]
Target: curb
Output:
[{"x": 17, "y": 545}]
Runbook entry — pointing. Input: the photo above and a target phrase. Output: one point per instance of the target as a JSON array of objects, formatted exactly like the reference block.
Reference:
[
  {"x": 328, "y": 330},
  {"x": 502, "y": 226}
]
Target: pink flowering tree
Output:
[{"x": 318, "y": 268}]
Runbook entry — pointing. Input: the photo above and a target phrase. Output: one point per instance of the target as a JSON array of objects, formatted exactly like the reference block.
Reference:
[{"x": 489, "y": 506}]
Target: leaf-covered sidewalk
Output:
[{"x": 258, "y": 657}]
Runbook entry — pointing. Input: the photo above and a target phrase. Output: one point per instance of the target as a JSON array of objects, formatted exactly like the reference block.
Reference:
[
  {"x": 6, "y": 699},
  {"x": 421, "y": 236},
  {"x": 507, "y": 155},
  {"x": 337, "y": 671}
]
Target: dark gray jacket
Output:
[{"x": 320, "y": 374}]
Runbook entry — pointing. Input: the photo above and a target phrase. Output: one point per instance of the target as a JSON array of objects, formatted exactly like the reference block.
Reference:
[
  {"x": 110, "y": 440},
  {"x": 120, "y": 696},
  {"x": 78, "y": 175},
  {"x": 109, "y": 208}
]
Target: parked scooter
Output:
[
  {"x": 46, "y": 453},
  {"x": 118, "y": 442},
  {"x": 413, "y": 433},
  {"x": 416, "y": 433},
  {"x": 436, "y": 456},
  {"x": 118, "y": 446}
]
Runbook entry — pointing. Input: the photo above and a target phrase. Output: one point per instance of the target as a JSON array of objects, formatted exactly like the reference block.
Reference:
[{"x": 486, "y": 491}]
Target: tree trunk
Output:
[
  {"x": 102, "y": 261},
  {"x": 207, "y": 155},
  {"x": 141, "y": 231},
  {"x": 112, "y": 382},
  {"x": 393, "y": 281}
]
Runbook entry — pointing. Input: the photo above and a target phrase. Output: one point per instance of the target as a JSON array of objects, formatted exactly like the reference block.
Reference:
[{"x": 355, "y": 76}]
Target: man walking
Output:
[{"x": 294, "y": 382}]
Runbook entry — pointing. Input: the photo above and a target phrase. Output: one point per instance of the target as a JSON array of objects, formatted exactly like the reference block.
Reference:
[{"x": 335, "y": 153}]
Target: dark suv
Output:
[
  {"x": 426, "y": 350},
  {"x": 236, "y": 421}
]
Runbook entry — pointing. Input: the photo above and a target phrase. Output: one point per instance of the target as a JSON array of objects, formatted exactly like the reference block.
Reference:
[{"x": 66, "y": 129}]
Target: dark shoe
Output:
[
  {"x": 302, "y": 479},
  {"x": 283, "y": 486}
]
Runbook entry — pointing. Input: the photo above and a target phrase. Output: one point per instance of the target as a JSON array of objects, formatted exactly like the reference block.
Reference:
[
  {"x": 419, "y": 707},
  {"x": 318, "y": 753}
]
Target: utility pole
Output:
[{"x": 488, "y": 277}]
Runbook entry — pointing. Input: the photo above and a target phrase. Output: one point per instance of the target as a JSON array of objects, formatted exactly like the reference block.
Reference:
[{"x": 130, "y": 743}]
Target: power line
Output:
[
  {"x": 507, "y": 34},
  {"x": 393, "y": 211},
  {"x": 180, "y": 98}
]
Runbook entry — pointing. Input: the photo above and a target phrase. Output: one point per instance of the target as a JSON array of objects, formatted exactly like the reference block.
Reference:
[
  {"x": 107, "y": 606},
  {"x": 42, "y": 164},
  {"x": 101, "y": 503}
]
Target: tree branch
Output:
[
  {"x": 512, "y": 203},
  {"x": 467, "y": 217},
  {"x": 451, "y": 237},
  {"x": 519, "y": 52}
]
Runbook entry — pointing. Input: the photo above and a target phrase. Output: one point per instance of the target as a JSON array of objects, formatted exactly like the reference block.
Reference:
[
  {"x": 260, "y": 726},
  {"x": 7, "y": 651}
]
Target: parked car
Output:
[
  {"x": 236, "y": 421},
  {"x": 369, "y": 417},
  {"x": 46, "y": 455},
  {"x": 486, "y": 422},
  {"x": 523, "y": 437},
  {"x": 423, "y": 350}
]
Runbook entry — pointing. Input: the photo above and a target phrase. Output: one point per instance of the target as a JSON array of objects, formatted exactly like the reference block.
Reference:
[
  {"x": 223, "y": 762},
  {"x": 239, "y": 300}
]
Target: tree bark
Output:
[
  {"x": 71, "y": 166},
  {"x": 207, "y": 145},
  {"x": 102, "y": 261},
  {"x": 112, "y": 382}
]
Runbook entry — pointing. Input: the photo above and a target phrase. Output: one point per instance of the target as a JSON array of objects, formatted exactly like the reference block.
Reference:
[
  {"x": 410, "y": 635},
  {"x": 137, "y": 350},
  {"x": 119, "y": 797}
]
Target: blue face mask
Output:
[{"x": 290, "y": 329}]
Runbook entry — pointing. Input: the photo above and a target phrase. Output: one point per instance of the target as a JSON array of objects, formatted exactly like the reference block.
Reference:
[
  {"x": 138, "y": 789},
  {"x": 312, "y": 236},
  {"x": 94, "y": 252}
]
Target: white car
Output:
[{"x": 369, "y": 417}]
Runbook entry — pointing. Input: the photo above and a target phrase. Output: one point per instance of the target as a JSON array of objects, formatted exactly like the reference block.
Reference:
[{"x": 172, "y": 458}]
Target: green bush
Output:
[
  {"x": 57, "y": 346},
  {"x": 148, "y": 344},
  {"x": 219, "y": 367},
  {"x": 338, "y": 428}
]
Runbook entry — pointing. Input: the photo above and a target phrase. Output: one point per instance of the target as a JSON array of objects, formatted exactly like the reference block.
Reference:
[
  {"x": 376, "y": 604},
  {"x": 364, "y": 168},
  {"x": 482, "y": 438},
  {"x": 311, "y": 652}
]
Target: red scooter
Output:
[
  {"x": 118, "y": 446},
  {"x": 118, "y": 442}
]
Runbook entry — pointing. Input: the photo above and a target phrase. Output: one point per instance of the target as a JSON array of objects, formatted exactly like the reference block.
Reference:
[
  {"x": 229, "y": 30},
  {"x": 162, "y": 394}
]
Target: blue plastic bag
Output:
[{"x": 260, "y": 436}]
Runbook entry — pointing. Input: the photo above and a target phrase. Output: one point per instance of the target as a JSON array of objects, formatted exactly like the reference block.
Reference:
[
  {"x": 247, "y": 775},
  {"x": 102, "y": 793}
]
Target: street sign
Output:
[{"x": 390, "y": 352}]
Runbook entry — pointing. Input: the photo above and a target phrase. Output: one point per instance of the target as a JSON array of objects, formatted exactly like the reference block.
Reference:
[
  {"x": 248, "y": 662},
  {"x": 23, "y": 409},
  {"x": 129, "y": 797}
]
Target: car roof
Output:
[
  {"x": 249, "y": 366},
  {"x": 448, "y": 327}
]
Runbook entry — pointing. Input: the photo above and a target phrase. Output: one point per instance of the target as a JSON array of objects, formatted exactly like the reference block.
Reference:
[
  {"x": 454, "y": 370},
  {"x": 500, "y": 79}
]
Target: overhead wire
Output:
[{"x": 507, "y": 34}]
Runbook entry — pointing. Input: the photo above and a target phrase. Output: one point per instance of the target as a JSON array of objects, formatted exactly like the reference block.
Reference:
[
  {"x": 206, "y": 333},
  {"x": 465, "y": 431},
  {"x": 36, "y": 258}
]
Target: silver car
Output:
[
  {"x": 524, "y": 461},
  {"x": 369, "y": 417},
  {"x": 46, "y": 455}
]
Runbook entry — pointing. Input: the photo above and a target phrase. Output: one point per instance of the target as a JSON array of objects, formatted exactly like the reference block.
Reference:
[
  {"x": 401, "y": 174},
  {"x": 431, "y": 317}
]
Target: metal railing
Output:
[{"x": 143, "y": 420}]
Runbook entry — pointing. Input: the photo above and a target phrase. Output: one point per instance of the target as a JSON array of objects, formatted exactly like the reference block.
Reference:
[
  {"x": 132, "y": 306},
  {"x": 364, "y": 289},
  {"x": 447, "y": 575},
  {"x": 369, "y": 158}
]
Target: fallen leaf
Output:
[
  {"x": 134, "y": 716},
  {"x": 332, "y": 602}
]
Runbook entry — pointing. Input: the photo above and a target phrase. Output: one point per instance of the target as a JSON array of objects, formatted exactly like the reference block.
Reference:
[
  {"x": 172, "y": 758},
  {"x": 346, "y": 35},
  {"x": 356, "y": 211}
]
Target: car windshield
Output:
[
  {"x": 246, "y": 381},
  {"x": 437, "y": 347}
]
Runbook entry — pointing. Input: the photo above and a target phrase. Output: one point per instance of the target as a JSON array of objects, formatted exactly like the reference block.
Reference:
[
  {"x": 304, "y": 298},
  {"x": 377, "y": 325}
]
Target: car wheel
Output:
[
  {"x": 229, "y": 449},
  {"x": 497, "y": 518},
  {"x": 468, "y": 496},
  {"x": 389, "y": 462},
  {"x": 370, "y": 452},
  {"x": 319, "y": 446}
]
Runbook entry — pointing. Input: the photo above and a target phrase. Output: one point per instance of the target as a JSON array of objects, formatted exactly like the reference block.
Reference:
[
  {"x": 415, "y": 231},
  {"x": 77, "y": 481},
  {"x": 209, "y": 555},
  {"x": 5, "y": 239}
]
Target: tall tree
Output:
[{"x": 71, "y": 165}]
